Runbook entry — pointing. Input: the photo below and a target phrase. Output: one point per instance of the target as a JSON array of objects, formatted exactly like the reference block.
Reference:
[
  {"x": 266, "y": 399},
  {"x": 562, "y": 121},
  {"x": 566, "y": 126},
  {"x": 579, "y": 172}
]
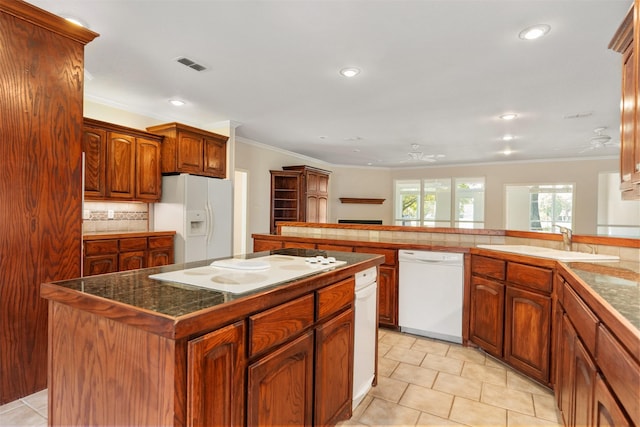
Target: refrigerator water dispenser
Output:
[{"x": 196, "y": 221}]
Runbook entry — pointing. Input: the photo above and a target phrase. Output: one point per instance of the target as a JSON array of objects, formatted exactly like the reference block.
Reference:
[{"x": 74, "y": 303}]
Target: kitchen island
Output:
[{"x": 126, "y": 349}]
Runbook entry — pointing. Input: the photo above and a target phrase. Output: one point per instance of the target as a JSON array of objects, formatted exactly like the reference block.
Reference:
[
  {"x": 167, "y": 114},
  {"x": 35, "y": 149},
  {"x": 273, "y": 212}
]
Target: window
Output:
[
  {"x": 442, "y": 202},
  {"x": 539, "y": 207}
]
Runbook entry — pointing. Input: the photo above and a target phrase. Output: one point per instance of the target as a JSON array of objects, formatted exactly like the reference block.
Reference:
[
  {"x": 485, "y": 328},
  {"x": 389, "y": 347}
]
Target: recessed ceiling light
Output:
[
  {"x": 508, "y": 116},
  {"x": 508, "y": 137},
  {"x": 350, "y": 72},
  {"x": 507, "y": 151},
  {"x": 176, "y": 102},
  {"x": 534, "y": 32}
]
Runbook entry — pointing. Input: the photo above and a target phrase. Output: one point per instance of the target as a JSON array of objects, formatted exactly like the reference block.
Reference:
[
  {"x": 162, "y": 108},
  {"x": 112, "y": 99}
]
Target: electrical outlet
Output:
[{"x": 110, "y": 214}]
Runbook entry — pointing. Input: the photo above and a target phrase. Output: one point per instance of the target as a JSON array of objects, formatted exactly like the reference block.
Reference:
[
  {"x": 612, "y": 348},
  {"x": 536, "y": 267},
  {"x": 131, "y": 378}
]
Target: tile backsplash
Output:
[{"x": 112, "y": 217}]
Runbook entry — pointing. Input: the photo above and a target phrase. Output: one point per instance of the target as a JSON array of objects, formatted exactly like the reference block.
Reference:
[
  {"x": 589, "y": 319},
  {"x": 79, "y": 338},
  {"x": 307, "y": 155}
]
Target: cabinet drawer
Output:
[
  {"x": 390, "y": 255},
  {"x": 332, "y": 298},
  {"x": 532, "y": 277},
  {"x": 275, "y": 326},
  {"x": 160, "y": 242},
  {"x": 584, "y": 321},
  {"x": 620, "y": 371},
  {"x": 98, "y": 247},
  {"x": 133, "y": 244},
  {"x": 490, "y": 267}
]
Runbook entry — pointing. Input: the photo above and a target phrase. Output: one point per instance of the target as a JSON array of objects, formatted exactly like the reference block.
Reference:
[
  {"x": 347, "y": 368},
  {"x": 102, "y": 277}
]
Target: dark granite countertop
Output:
[
  {"x": 174, "y": 300},
  {"x": 618, "y": 283}
]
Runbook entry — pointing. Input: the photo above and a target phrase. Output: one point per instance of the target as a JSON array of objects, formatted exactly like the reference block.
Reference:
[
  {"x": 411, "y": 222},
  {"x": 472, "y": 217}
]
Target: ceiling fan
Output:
[
  {"x": 600, "y": 140},
  {"x": 415, "y": 155}
]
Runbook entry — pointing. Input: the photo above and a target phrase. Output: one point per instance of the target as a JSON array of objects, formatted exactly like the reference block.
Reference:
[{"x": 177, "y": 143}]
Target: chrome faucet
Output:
[{"x": 566, "y": 237}]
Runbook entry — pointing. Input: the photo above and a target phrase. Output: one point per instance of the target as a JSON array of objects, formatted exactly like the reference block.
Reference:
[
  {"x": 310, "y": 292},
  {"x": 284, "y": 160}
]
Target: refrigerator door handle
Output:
[{"x": 210, "y": 223}]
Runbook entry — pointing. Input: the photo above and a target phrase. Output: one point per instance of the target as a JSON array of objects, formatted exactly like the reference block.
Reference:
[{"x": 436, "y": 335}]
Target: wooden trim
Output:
[
  {"x": 624, "y": 34},
  {"x": 183, "y": 127},
  {"x": 112, "y": 127},
  {"x": 361, "y": 200},
  {"x": 42, "y": 18}
]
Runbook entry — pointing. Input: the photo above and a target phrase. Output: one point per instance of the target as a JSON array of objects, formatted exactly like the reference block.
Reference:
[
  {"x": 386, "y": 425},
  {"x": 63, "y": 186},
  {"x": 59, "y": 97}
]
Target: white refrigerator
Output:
[{"x": 200, "y": 210}]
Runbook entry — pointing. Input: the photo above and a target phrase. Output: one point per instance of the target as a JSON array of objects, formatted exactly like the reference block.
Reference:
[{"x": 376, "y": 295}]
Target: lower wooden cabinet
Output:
[
  {"x": 100, "y": 257},
  {"x": 388, "y": 297},
  {"x": 297, "y": 365},
  {"x": 486, "y": 320},
  {"x": 280, "y": 386},
  {"x": 127, "y": 253},
  {"x": 334, "y": 369},
  {"x": 527, "y": 332},
  {"x": 607, "y": 410},
  {"x": 510, "y": 313},
  {"x": 215, "y": 378},
  {"x": 597, "y": 378}
]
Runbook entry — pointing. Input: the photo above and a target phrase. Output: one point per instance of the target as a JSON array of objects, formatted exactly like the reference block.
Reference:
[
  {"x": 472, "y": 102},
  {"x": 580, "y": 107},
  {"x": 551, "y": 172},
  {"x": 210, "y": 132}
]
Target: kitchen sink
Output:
[
  {"x": 236, "y": 275},
  {"x": 556, "y": 254}
]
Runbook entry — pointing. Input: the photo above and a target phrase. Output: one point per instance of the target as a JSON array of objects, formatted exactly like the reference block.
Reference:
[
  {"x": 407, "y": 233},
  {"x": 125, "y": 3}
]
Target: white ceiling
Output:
[{"x": 436, "y": 73}]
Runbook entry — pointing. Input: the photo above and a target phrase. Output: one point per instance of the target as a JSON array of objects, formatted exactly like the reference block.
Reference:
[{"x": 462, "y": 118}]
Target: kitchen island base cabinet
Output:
[
  {"x": 215, "y": 378},
  {"x": 280, "y": 386},
  {"x": 282, "y": 357},
  {"x": 334, "y": 368},
  {"x": 124, "y": 375}
]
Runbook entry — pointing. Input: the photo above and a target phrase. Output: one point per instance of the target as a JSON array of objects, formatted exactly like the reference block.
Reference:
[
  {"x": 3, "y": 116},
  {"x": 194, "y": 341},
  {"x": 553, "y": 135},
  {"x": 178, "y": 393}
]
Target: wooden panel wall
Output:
[{"x": 41, "y": 92}]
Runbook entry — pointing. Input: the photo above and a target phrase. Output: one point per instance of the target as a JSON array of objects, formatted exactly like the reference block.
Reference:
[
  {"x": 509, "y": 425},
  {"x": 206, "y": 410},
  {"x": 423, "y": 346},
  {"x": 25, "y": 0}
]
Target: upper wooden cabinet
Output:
[
  {"x": 190, "y": 150},
  {"x": 627, "y": 42},
  {"x": 121, "y": 163},
  {"x": 299, "y": 193}
]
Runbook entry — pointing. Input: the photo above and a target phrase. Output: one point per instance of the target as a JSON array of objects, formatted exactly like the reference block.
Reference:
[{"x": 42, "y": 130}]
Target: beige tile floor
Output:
[
  {"x": 425, "y": 382},
  {"x": 422, "y": 382}
]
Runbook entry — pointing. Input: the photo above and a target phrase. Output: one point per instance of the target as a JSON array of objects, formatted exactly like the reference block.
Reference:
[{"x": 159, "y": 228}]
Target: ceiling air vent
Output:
[{"x": 191, "y": 64}]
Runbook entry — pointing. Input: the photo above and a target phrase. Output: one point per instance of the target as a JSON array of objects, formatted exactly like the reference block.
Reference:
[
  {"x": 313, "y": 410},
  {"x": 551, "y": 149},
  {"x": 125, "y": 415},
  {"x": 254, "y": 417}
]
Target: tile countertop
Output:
[
  {"x": 618, "y": 283},
  {"x": 174, "y": 300}
]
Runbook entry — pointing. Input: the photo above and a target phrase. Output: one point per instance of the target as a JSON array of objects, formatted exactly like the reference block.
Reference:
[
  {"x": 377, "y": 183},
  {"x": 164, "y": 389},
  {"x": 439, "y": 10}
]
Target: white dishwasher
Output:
[
  {"x": 365, "y": 333},
  {"x": 430, "y": 294}
]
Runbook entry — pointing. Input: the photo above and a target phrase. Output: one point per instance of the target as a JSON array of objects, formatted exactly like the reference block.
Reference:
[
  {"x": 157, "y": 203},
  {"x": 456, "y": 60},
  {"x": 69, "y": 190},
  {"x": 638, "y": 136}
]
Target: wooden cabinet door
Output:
[
  {"x": 527, "y": 333},
  {"x": 312, "y": 209},
  {"x": 334, "y": 369},
  {"x": 189, "y": 152},
  {"x": 583, "y": 386},
  {"x": 100, "y": 264},
  {"x": 387, "y": 297},
  {"x": 148, "y": 177},
  {"x": 159, "y": 257},
  {"x": 607, "y": 411},
  {"x": 565, "y": 356},
  {"x": 486, "y": 319},
  {"x": 215, "y": 158},
  {"x": 94, "y": 146},
  {"x": 280, "y": 386},
  {"x": 131, "y": 260},
  {"x": 120, "y": 166},
  {"x": 215, "y": 378}
]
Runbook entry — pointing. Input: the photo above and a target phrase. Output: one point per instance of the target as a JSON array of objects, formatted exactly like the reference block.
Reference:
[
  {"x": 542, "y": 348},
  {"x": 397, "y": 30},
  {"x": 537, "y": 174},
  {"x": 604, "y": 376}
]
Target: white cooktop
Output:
[{"x": 237, "y": 275}]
